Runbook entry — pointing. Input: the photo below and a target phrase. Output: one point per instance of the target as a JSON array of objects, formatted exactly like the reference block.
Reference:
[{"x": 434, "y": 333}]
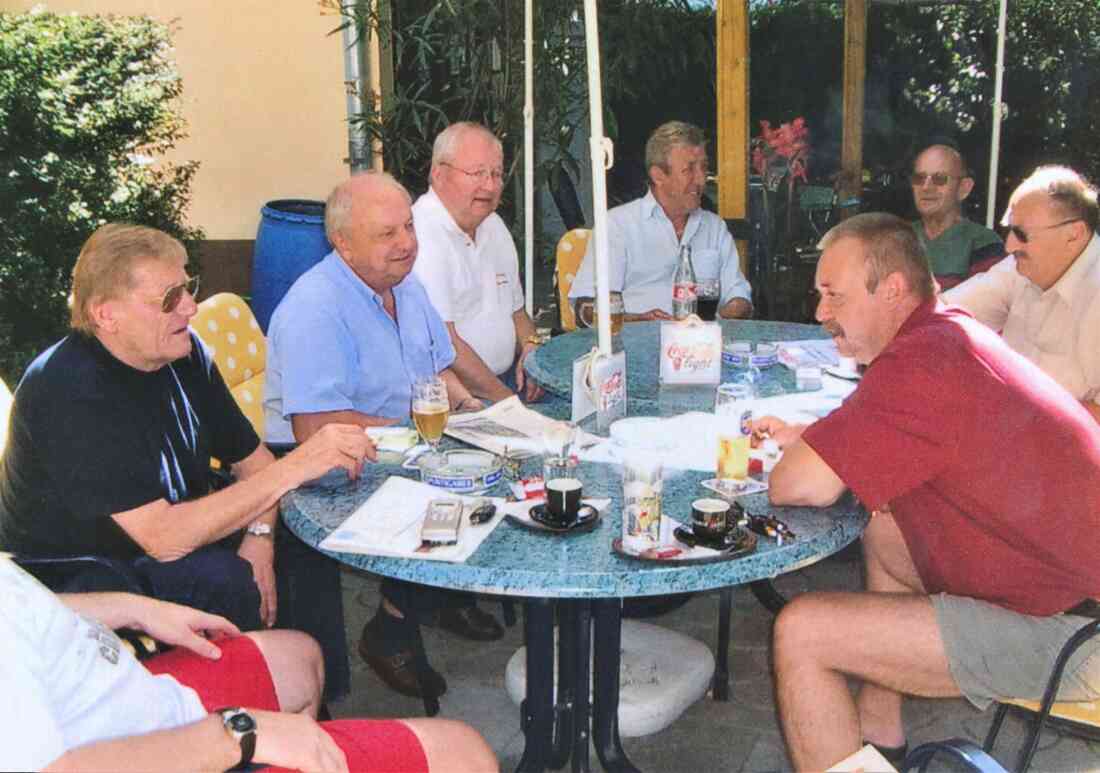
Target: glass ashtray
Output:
[
  {"x": 742, "y": 354},
  {"x": 461, "y": 471}
]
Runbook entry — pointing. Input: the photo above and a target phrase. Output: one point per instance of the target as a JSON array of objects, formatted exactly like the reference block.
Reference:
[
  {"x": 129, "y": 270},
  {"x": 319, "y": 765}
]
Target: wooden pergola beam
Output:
[
  {"x": 733, "y": 113},
  {"x": 855, "y": 71}
]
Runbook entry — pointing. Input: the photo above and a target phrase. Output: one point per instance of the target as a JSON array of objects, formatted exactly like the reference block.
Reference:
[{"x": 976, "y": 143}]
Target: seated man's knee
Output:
[
  {"x": 797, "y": 624},
  {"x": 452, "y": 745},
  {"x": 296, "y": 665}
]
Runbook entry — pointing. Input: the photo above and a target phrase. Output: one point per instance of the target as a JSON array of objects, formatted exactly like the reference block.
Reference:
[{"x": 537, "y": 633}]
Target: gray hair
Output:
[
  {"x": 445, "y": 147},
  {"x": 667, "y": 136},
  {"x": 889, "y": 244},
  {"x": 339, "y": 204},
  {"x": 1069, "y": 192}
]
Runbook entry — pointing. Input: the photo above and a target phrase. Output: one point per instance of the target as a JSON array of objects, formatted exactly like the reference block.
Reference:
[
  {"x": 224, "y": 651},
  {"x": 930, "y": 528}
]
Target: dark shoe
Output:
[
  {"x": 395, "y": 666},
  {"x": 470, "y": 623}
]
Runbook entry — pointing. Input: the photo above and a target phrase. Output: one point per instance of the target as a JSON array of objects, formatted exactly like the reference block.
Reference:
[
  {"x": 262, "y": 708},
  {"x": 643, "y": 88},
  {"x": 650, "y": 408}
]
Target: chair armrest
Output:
[
  {"x": 960, "y": 749},
  {"x": 53, "y": 571}
]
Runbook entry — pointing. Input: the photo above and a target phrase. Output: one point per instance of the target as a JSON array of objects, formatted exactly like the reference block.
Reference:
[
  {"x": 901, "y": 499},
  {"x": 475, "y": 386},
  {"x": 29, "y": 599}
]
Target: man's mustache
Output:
[{"x": 833, "y": 329}]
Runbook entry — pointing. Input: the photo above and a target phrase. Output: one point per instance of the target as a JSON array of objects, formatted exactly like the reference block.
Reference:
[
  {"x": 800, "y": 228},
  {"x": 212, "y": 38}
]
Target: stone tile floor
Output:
[{"x": 740, "y": 735}]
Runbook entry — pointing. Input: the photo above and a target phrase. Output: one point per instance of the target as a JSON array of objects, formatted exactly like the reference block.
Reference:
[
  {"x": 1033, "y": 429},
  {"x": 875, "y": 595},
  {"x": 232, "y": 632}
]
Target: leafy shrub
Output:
[{"x": 87, "y": 104}]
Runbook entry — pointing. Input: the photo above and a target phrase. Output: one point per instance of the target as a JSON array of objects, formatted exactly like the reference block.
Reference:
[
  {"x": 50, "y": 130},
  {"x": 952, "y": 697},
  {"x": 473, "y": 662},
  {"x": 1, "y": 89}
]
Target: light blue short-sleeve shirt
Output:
[
  {"x": 643, "y": 253},
  {"x": 331, "y": 346}
]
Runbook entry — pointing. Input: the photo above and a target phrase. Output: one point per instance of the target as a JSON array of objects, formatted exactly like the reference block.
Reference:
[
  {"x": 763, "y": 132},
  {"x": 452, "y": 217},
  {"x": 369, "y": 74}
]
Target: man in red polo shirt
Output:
[{"x": 986, "y": 476}]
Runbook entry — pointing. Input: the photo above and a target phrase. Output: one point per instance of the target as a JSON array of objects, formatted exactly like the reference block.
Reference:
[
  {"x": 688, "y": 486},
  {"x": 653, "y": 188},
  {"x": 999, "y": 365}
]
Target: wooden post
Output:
[
  {"x": 855, "y": 67},
  {"x": 733, "y": 114}
]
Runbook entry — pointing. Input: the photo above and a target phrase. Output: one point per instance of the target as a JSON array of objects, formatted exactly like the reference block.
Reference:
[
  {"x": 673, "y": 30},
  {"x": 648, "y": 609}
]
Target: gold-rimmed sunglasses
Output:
[{"x": 174, "y": 294}]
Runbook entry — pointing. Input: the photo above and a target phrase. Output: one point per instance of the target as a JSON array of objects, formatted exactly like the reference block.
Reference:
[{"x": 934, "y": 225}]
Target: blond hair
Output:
[
  {"x": 104, "y": 269},
  {"x": 668, "y": 136}
]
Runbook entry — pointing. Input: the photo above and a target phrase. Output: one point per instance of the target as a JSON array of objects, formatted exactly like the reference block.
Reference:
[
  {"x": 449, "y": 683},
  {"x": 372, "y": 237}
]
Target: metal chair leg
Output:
[
  {"x": 581, "y": 714},
  {"x": 768, "y": 596},
  {"x": 565, "y": 700},
  {"x": 720, "y": 683},
  {"x": 995, "y": 727}
]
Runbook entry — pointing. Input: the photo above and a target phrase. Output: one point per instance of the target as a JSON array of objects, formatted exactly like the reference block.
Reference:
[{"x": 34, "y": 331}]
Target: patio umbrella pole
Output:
[
  {"x": 995, "y": 142},
  {"x": 601, "y": 151},
  {"x": 529, "y": 157}
]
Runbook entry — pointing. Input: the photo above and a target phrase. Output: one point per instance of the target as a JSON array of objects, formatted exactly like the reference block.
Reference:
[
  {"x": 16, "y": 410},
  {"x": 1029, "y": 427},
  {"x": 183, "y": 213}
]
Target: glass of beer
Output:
[
  {"x": 430, "y": 408},
  {"x": 590, "y": 318},
  {"x": 733, "y": 410}
]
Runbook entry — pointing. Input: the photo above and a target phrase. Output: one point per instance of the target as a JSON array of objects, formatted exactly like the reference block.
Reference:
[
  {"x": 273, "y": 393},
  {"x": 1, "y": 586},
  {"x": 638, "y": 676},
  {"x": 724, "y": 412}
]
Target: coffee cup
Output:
[
  {"x": 563, "y": 490},
  {"x": 710, "y": 518}
]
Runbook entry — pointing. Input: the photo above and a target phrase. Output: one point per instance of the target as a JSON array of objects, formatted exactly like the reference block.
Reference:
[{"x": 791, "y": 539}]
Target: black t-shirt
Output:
[{"x": 89, "y": 437}]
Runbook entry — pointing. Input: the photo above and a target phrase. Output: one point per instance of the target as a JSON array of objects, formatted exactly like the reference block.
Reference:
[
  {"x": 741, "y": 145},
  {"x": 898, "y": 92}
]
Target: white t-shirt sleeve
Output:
[
  {"x": 988, "y": 295},
  {"x": 30, "y": 737},
  {"x": 433, "y": 271}
]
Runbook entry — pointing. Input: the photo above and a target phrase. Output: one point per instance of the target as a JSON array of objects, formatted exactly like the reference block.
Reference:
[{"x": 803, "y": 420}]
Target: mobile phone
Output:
[{"x": 441, "y": 522}]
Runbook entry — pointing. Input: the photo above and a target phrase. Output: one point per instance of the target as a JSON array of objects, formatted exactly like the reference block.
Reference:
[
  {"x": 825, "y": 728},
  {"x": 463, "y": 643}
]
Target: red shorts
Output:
[{"x": 241, "y": 678}]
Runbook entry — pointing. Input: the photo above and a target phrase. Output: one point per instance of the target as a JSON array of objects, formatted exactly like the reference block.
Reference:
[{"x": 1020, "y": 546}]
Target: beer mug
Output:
[{"x": 589, "y": 317}]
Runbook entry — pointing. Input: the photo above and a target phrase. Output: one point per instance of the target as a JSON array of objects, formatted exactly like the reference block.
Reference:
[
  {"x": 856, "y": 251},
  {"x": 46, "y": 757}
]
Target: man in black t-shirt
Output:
[{"x": 112, "y": 432}]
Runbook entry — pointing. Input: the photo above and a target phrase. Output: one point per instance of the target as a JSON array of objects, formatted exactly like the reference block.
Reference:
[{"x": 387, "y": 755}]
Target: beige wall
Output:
[{"x": 263, "y": 98}]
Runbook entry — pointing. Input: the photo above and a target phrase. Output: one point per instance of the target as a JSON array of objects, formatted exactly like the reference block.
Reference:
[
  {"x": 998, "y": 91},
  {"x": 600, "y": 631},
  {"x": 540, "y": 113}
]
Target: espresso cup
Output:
[
  {"x": 710, "y": 518},
  {"x": 563, "y": 501}
]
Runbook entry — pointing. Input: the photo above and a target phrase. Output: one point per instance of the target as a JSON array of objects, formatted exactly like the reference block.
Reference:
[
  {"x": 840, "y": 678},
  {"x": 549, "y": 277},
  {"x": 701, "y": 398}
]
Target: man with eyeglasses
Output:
[
  {"x": 469, "y": 265},
  {"x": 111, "y": 435},
  {"x": 645, "y": 235},
  {"x": 1045, "y": 298},
  {"x": 956, "y": 247}
]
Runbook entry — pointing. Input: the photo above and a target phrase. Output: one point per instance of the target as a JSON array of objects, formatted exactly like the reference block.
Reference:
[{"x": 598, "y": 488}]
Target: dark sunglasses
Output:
[
  {"x": 939, "y": 179},
  {"x": 1022, "y": 235},
  {"x": 174, "y": 294}
]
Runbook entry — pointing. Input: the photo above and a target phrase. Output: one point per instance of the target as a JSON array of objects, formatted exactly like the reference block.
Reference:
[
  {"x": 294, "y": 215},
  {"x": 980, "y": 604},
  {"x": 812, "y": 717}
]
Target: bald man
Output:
[{"x": 956, "y": 247}]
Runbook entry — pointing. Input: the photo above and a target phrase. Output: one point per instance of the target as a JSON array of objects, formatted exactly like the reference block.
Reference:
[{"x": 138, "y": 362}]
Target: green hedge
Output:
[{"x": 88, "y": 105}]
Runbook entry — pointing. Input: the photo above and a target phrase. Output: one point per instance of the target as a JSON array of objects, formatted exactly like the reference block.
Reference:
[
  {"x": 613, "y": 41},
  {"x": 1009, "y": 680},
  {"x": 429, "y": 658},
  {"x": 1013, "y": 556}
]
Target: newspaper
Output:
[
  {"x": 510, "y": 427},
  {"x": 820, "y": 352}
]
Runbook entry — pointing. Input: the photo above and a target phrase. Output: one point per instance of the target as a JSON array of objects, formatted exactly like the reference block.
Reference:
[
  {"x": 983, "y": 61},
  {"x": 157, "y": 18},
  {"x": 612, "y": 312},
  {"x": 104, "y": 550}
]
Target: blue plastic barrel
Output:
[{"x": 289, "y": 241}]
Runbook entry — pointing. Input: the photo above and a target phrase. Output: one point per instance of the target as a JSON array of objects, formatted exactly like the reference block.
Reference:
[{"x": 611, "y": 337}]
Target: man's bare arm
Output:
[
  {"x": 737, "y": 308},
  {"x": 167, "y": 532},
  {"x": 525, "y": 331},
  {"x": 473, "y": 372},
  {"x": 1092, "y": 408},
  {"x": 803, "y": 478}
]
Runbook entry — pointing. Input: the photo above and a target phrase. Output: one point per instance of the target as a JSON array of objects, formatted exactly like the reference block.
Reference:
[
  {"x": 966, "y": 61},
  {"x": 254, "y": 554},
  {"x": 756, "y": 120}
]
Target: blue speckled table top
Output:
[{"x": 520, "y": 562}]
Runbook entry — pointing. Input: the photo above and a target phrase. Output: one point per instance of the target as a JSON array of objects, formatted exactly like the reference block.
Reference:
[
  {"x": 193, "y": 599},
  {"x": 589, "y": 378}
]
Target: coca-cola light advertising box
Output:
[{"x": 691, "y": 352}]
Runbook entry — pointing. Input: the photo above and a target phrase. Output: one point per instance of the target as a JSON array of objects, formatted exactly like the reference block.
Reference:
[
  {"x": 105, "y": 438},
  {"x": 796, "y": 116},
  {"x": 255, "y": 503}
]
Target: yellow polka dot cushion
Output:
[
  {"x": 227, "y": 327},
  {"x": 570, "y": 253}
]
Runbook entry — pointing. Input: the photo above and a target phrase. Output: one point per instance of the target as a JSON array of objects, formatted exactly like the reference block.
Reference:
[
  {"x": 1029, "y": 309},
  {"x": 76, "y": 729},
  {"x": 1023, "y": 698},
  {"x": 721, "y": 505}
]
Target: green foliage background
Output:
[{"x": 87, "y": 105}]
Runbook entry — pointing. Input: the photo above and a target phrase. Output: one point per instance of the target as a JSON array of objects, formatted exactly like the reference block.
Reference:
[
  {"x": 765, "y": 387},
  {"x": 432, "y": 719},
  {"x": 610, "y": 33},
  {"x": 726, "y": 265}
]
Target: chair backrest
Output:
[
  {"x": 570, "y": 253},
  {"x": 227, "y": 326}
]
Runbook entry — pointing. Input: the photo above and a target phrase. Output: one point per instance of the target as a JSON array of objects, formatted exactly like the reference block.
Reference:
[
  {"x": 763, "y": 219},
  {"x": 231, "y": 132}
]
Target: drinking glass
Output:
[
  {"x": 590, "y": 318},
  {"x": 430, "y": 408},
  {"x": 706, "y": 306},
  {"x": 733, "y": 410},
  {"x": 642, "y": 486}
]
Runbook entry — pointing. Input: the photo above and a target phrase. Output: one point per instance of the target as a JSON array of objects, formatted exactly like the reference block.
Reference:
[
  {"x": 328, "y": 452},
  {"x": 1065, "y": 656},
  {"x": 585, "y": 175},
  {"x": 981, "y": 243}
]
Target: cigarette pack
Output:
[{"x": 529, "y": 488}]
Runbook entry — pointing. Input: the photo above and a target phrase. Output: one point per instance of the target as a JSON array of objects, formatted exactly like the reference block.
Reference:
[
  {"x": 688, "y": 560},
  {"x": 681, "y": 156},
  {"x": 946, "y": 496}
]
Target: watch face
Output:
[{"x": 242, "y": 723}]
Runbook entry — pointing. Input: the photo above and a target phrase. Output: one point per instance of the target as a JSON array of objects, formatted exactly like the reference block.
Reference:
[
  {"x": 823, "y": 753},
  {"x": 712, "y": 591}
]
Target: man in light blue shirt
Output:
[
  {"x": 645, "y": 235},
  {"x": 345, "y": 345}
]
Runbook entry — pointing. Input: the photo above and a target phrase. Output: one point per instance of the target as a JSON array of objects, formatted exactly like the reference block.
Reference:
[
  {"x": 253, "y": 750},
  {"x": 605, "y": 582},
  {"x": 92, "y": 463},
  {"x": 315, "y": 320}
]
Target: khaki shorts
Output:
[{"x": 994, "y": 653}]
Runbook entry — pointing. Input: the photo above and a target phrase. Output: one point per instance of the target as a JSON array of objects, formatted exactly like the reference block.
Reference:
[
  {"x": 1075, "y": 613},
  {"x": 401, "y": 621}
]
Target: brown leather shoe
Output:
[
  {"x": 395, "y": 667},
  {"x": 470, "y": 623}
]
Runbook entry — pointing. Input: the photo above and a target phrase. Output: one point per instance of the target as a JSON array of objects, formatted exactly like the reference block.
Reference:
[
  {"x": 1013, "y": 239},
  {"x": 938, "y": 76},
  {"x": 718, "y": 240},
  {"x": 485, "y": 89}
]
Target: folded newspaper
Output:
[{"x": 510, "y": 427}]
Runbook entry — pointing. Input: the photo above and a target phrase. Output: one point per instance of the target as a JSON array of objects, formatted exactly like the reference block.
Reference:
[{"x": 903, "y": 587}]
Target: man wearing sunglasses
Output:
[
  {"x": 469, "y": 265},
  {"x": 956, "y": 247},
  {"x": 111, "y": 435},
  {"x": 1045, "y": 298}
]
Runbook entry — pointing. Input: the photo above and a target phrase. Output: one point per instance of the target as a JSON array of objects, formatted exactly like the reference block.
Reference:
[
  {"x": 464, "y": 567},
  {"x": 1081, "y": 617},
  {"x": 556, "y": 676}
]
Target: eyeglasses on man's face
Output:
[
  {"x": 939, "y": 179},
  {"x": 174, "y": 294},
  {"x": 481, "y": 175},
  {"x": 1023, "y": 236}
]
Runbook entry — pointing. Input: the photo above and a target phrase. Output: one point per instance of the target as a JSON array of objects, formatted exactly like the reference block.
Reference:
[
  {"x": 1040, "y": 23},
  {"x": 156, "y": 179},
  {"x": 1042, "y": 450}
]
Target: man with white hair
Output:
[
  {"x": 469, "y": 266},
  {"x": 1045, "y": 297}
]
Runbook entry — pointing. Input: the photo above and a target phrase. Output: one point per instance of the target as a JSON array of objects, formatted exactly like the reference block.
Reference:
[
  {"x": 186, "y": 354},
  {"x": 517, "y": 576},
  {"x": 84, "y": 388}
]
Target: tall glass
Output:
[
  {"x": 706, "y": 305},
  {"x": 590, "y": 318},
  {"x": 733, "y": 411},
  {"x": 430, "y": 408}
]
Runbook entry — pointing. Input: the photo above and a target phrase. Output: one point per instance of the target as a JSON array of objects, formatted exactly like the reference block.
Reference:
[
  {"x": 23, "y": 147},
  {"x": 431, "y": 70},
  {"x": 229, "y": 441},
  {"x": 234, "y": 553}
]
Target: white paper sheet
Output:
[
  {"x": 509, "y": 425},
  {"x": 388, "y": 524}
]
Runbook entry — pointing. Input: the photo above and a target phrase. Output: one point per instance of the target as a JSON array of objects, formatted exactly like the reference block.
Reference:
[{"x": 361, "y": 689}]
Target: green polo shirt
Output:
[{"x": 959, "y": 247}]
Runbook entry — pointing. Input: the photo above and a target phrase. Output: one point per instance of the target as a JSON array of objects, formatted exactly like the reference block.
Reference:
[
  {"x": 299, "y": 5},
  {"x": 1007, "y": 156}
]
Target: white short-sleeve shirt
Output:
[
  {"x": 473, "y": 283},
  {"x": 1058, "y": 329}
]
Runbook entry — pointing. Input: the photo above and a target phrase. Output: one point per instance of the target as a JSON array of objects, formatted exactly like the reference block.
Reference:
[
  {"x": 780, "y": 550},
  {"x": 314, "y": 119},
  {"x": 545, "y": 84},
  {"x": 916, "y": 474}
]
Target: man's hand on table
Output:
[
  {"x": 645, "y": 316},
  {"x": 527, "y": 388},
  {"x": 259, "y": 551},
  {"x": 778, "y": 430},
  {"x": 332, "y": 446}
]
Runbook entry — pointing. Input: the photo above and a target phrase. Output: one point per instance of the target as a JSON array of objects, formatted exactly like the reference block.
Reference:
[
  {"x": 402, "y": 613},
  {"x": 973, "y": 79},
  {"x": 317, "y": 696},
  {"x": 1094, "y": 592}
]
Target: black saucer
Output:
[
  {"x": 587, "y": 516},
  {"x": 733, "y": 540}
]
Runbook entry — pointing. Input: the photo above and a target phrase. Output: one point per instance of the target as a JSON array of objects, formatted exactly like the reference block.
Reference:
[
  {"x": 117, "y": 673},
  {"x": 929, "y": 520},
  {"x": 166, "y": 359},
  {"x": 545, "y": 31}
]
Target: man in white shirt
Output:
[
  {"x": 469, "y": 266},
  {"x": 1045, "y": 296},
  {"x": 645, "y": 235}
]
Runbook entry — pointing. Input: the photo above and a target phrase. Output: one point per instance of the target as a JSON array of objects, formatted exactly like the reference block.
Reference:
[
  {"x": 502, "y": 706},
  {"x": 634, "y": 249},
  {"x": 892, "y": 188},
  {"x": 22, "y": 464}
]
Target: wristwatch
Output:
[
  {"x": 242, "y": 728},
  {"x": 536, "y": 340},
  {"x": 260, "y": 529}
]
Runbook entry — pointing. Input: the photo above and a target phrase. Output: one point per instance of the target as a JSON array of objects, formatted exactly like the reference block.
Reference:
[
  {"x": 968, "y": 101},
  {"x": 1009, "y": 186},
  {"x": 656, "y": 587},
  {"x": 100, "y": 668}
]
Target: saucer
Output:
[{"x": 587, "y": 518}]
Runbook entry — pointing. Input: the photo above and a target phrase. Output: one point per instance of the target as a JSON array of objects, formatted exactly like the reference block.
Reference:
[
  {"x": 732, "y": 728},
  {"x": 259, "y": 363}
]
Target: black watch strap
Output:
[{"x": 242, "y": 728}]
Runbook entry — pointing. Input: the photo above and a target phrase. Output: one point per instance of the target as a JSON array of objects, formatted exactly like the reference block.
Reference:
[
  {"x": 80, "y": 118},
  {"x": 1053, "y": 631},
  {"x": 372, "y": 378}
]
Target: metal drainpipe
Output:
[{"x": 359, "y": 154}]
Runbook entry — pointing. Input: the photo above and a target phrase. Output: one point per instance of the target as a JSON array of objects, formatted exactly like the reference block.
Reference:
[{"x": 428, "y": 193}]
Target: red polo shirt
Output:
[{"x": 992, "y": 469}]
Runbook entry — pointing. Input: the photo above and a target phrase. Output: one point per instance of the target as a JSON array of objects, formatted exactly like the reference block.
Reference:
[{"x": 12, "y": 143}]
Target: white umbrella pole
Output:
[
  {"x": 601, "y": 152},
  {"x": 529, "y": 157},
  {"x": 995, "y": 142}
]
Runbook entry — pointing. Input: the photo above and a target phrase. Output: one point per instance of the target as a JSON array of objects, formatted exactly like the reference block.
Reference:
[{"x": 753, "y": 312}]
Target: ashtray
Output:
[
  {"x": 462, "y": 471},
  {"x": 587, "y": 518},
  {"x": 742, "y": 354}
]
